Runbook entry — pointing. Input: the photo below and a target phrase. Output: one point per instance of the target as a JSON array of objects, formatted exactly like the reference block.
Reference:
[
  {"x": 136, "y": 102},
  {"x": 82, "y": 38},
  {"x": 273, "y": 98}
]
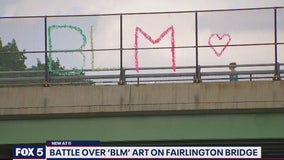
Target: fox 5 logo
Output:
[{"x": 37, "y": 152}]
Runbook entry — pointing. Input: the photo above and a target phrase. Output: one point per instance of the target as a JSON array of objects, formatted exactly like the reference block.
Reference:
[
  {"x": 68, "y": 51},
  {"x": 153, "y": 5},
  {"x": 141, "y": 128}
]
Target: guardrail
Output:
[
  {"x": 150, "y": 75},
  {"x": 124, "y": 75}
]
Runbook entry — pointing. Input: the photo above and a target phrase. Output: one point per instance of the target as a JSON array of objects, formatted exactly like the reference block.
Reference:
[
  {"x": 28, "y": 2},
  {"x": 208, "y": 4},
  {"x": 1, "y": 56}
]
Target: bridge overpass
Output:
[
  {"x": 220, "y": 113},
  {"x": 155, "y": 106}
]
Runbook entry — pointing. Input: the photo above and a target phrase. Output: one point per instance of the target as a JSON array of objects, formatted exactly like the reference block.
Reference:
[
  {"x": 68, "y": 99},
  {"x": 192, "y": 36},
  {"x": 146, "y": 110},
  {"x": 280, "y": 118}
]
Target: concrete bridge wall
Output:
[
  {"x": 162, "y": 112},
  {"x": 143, "y": 98}
]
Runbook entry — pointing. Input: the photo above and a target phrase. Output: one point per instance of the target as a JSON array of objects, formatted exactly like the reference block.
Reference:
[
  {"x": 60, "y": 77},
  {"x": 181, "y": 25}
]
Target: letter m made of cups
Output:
[{"x": 154, "y": 41}]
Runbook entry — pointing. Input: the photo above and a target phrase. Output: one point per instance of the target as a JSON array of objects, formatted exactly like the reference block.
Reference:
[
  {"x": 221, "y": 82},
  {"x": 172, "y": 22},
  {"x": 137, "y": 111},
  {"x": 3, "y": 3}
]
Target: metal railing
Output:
[
  {"x": 160, "y": 75},
  {"x": 124, "y": 75}
]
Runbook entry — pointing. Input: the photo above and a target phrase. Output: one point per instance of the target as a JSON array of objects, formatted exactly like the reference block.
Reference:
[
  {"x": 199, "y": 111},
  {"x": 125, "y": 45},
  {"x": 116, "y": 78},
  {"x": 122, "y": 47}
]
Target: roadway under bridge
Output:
[{"x": 220, "y": 113}]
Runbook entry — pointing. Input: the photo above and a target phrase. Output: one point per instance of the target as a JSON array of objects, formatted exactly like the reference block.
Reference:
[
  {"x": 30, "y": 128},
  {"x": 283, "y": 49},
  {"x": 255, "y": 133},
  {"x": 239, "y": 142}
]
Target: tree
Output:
[
  {"x": 54, "y": 77},
  {"x": 41, "y": 66},
  {"x": 11, "y": 59}
]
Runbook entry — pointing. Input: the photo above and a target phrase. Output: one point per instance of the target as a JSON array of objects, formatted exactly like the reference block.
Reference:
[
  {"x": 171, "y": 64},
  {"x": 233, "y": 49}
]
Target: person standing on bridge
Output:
[{"x": 233, "y": 75}]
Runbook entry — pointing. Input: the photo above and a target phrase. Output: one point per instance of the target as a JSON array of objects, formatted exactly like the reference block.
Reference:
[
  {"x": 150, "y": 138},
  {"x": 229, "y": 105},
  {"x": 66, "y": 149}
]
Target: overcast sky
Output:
[
  {"x": 243, "y": 27},
  {"x": 55, "y": 7}
]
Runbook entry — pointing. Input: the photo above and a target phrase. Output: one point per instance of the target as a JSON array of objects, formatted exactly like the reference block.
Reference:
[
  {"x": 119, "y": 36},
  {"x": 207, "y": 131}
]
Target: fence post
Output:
[
  {"x": 197, "y": 78},
  {"x": 276, "y": 64},
  {"x": 46, "y": 82},
  {"x": 121, "y": 80}
]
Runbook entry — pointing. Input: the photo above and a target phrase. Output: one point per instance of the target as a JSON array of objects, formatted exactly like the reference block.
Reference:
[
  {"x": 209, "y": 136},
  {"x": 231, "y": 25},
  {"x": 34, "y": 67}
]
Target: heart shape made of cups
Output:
[{"x": 223, "y": 40}]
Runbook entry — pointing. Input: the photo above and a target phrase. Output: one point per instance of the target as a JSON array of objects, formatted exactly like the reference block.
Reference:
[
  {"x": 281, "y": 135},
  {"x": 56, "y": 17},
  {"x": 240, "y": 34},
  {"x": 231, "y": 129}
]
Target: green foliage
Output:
[
  {"x": 41, "y": 66},
  {"x": 11, "y": 59}
]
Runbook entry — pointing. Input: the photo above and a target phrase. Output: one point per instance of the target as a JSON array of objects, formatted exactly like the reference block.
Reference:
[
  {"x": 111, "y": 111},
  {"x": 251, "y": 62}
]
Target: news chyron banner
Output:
[{"x": 91, "y": 150}]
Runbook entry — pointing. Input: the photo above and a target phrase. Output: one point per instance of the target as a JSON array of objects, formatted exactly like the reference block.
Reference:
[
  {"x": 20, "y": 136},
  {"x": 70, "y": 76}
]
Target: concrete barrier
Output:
[{"x": 189, "y": 97}]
